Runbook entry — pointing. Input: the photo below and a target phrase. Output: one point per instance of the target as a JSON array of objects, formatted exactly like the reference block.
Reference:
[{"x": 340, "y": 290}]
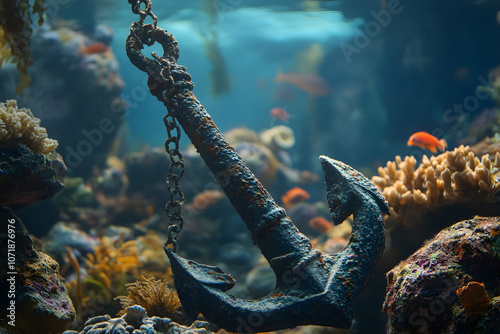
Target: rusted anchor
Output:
[{"x": 312, "y": 288}]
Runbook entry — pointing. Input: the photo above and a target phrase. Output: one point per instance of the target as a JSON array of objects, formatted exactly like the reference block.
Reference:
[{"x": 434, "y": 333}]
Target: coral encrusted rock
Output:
[
  {"x": 450, "y": 285},
  {"x": 30, "y": 169},
  {"x": 34, "y": 297}
]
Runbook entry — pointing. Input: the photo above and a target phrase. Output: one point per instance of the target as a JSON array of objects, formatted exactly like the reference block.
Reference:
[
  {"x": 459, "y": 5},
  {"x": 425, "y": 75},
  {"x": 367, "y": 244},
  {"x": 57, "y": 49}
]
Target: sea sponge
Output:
[
  {"x": 474, "y": 298},
  {"x": 454, "y": 177},
  {"x": 21, "y": 125},
  {"x": 280, "y": 136}
]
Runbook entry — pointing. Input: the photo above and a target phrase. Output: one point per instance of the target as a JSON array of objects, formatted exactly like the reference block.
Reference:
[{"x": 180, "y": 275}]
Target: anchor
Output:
[{"x": 312, "y": 288}]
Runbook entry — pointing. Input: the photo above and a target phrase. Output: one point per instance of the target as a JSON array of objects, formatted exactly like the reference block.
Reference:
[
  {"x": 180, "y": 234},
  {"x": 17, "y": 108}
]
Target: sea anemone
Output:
[{"x": 156, "y": 297}]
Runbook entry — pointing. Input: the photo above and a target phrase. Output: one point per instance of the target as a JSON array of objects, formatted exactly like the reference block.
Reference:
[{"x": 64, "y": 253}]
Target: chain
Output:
[
  {"x": 176, "y": 167},
  {"x": 175, "y": 172}
]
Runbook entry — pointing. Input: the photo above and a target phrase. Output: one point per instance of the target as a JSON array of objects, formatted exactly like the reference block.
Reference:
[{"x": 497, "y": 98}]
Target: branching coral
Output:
[
  {"x": 15, "y": 33},
  {"x": 21, "y": 125},
  {"x": 454, "y": 177}
]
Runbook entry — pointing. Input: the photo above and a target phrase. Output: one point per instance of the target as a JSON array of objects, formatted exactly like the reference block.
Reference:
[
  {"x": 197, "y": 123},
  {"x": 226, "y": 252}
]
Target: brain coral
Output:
[
  {"x": 21, "y": 125},
  {"x": 454, "y": 177}
]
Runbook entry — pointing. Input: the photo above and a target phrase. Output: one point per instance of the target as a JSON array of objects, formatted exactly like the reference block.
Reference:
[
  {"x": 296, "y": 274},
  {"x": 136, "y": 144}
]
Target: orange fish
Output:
[
  {"x": 427, "y": 141},
  {"x": 94, "y": 48},
  {"x": 312, "y": 84},
  {"x": 280, "y": 113},
  {"x": 295, "y": 196}
]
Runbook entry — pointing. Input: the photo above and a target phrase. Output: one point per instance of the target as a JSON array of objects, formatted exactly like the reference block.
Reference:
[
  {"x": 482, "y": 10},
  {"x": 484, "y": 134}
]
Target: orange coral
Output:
[
  {"x": 294, "y": 196},
  {"x": 205, "y": 199},
  {"x": 320, "y": 224},
  {"x": 474, "y": 298}
]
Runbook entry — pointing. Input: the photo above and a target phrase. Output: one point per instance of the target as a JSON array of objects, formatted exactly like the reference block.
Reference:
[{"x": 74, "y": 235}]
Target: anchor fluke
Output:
[
  {"x": 346, "y": 187},
  {"x": 190, "y": 276}
]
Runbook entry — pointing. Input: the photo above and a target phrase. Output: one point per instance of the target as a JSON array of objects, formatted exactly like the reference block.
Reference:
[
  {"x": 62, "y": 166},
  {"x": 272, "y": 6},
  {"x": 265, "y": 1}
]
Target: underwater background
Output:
[{"x": 83, "y": 162}]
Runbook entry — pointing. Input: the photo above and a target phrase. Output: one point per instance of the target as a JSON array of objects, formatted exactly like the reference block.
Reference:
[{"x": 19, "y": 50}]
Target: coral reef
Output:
[
  {"x": 19, "y": 125},
  {"x": 83, "y": 116},
  {"x": 421, "y": 294},
  {"x": 455, "y": 177},
  {"x": 15, "y": 34},
  {"x": 136, "y": 321},
  {"x": 156, "y": 297},
  {"x": 32, "y": 287}
]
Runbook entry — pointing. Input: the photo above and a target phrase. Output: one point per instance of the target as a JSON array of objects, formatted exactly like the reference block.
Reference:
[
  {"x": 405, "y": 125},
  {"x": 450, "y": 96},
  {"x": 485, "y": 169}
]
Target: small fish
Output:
[
  {"x": 94, "y": 48},
  {"x": 312, "y": 84},
  {"x": 295, "y": 196},
  {"x": 427, "y": 141},
  {"x": 280, "y": 114}
]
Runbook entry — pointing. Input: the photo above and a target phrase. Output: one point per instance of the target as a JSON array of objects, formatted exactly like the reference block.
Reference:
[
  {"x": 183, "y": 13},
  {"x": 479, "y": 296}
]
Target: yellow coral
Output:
[
  {"x": 453, "y": 177},
  {"x": 154, "y": 295},
  {"x": 280, "y": 136},
  {"x": 20, "y": 124}
]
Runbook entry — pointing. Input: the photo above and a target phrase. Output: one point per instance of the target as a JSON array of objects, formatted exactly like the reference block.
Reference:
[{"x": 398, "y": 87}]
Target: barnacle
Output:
[{"x": 15, "y": 34}]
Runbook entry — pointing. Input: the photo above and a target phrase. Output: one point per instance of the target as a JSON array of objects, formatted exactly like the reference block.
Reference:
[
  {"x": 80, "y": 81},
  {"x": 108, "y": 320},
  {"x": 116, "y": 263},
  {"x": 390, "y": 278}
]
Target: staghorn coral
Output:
[
  {"x": 20, "y": 125},
  {"x": 156, "y": 297},
  {"x": 15, "y": 34},
  {"x": 454, "y": 177}
]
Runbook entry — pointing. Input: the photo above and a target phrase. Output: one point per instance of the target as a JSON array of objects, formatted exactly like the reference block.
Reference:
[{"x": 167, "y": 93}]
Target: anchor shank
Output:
[{"x": 271, "y": 229}]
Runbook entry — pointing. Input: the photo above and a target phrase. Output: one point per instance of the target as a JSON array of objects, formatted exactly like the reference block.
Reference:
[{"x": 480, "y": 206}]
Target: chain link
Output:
[
  {"x": 136, "y": 9},
  {"x": 176, "y": 167}
]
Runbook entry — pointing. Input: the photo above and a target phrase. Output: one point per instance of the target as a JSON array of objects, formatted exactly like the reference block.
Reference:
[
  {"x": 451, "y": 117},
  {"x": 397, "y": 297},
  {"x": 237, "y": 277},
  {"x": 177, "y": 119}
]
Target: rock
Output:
[
  {"x": 26, "y": 176},
  {"x": 260, "y": 281},
  {"x": 422, "y": 290},
  {"x": 31, "y": 283}
]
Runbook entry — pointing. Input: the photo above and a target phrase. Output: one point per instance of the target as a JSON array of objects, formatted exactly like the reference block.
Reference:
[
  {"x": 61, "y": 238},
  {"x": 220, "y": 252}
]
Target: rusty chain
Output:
[{"x": 163, "y": 85}]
